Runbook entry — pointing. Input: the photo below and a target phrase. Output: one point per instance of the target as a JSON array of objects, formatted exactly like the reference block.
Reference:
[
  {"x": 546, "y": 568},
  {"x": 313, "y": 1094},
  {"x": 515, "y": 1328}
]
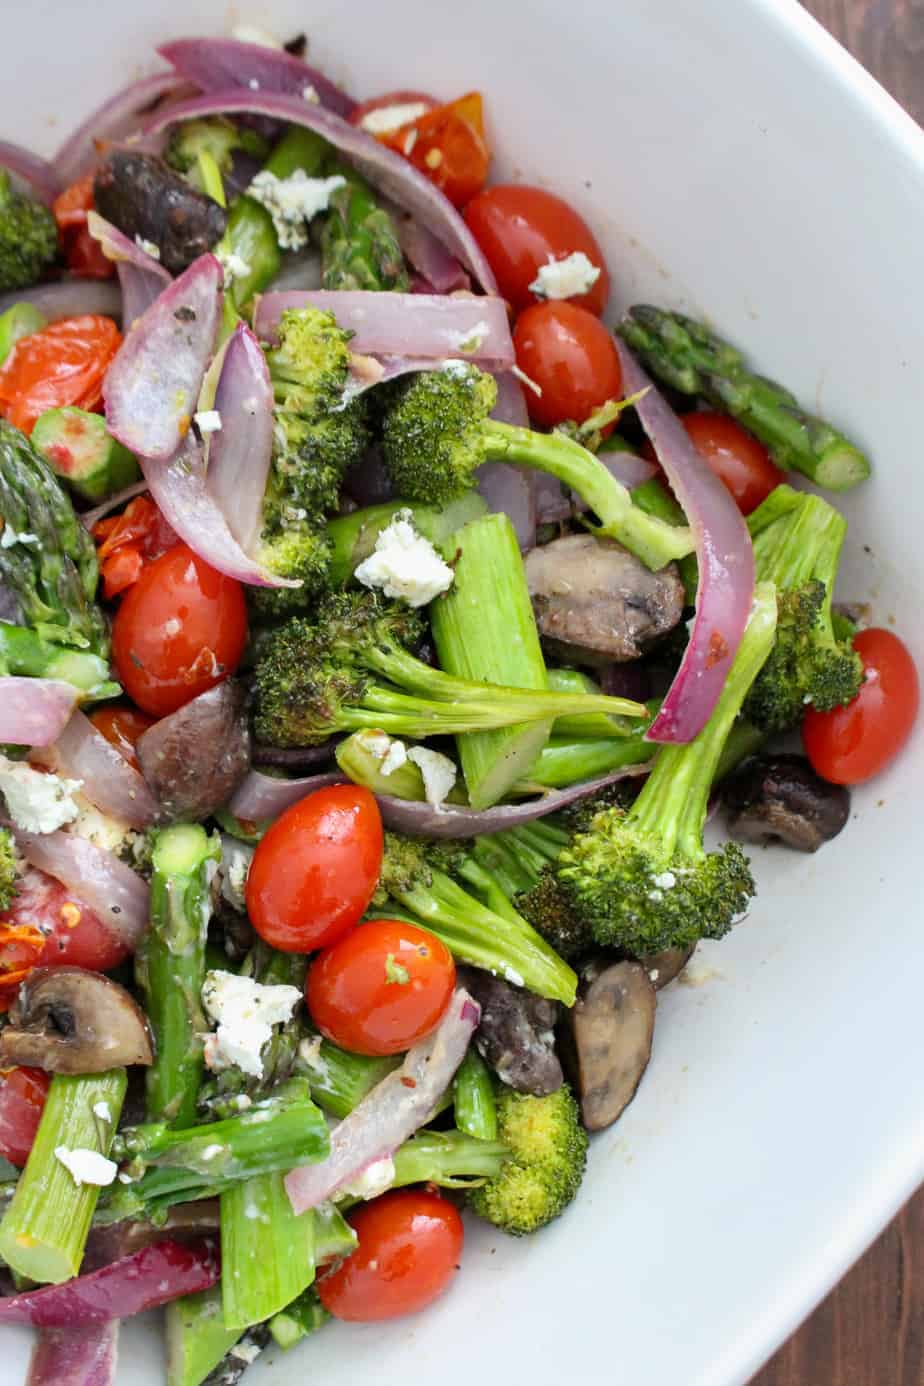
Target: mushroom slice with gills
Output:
[
  {"x": 516, "y": 1033},
  {"x": 70, "y": 1020},
  {"x": 596, "y": 603},
  {"x": 663, "y": 967},
  {"x": 196, "y": 757},
  {"x": 779, "y": 798},
  {"x": 608, "y": 1040}
]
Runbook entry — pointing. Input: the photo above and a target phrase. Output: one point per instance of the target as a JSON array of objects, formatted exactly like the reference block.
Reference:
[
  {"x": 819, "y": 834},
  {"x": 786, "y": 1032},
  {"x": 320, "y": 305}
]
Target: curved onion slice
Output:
[
  {"x": 33, "y": 169},
  {"x": 69, "y": 298},
  {"x": 723, "y": 551},
  {"x": 239, "y": 453},
  {"x": 217, "y": 64},
  {"x": 141, "y": 277},
  {"x": 83, "y": 1354},
  {"x": 393, "y": 1110},
  {"x": 511, "y": 402},
  {"x": 428, "y": 256},
  {"x": 115, "y": 893},
  {"x": 143, "y": 1281},
  {"x": 109, "y": 782},
  {"x": 89, "y": 517},
  {"x": 34, "y": 712},
  {"x": 262, "y": 796},
  {"x": 116, "y": 118},
  {"x": 151, "y": 388},
  {"x": 407, "y": 325},
  {"x": 387, "y": 171}
]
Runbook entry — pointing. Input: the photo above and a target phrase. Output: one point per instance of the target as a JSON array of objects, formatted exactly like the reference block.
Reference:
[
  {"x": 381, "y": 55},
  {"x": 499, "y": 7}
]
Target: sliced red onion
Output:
[
  {"x": 151, "y": 388},
  {"x": 387, "y": 171},
  {"x": 34, "y": 712},
  {"x": 146, "y": 1280},
  {"x": 33, "y": 169},
  {"x": 115, "y": 893},
  {"x": 81, "y": 1354},
  {"x": 109, "y": 782},
  {"x": 69, "y": 298},
  {"x": 510, "y": 490},
  {"x": 628, "y": 467},
  {"x": 428, "y": 256},
  {"x": 239, "y": 453},
  {"x": 89, "y": 517},
  {"x": 141, "y": 277},
  {"x": 726, "y": 564},
  {"x": 187, "y": 1222},
  {"x": 266, "y": 796},
  {"x": 405, "y": 325},
  {"x": 393, "y": 1110},
  {"x": 220, "y": 64},
  {"x": 511, "y": 402},
  {"x": 115, "y": 119}
]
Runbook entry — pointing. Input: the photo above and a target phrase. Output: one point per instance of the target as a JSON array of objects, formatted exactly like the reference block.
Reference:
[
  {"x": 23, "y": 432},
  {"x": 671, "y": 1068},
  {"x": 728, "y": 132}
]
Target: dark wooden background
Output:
[{"x": 870, "y": 1330}]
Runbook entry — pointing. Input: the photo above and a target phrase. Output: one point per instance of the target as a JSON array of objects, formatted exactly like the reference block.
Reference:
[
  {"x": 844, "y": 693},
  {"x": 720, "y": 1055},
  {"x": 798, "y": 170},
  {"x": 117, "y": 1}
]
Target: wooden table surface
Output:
[{"x": 870, "y": 1330}]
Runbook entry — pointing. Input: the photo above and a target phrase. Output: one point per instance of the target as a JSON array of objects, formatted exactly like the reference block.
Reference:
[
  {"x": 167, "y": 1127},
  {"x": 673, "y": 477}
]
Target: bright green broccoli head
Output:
[
  {"x": 548, "y": 1153},
  {"x": 214, "y": 135},
  {"x": 432, "y": 440},
  {"x": 310, "y": 366},
  {"x": 28, "y": 237},
  {"x": 8, "y": 872}
]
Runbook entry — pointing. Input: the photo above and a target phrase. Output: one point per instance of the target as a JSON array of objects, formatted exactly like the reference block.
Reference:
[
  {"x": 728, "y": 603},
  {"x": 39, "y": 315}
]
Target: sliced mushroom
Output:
[
  {"x": 516, "y": 1035},
  {"x": 608, "y": 1045},
  {"x": 780, "y": 798},
  {"x": 69, "y": 1020},
  {"x": 595, "y": 602},
  {"x": 143, "y": 197},
  {"x": 195, "y": 758},
  {"x": 663, "y": 967}
]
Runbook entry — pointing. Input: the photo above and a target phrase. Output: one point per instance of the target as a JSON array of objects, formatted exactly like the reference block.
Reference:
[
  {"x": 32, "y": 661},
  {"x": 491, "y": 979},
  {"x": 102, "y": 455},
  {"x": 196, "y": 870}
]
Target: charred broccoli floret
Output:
[
  {"x": 28, "y": 237},
  {"x": 8, "y": 872}
]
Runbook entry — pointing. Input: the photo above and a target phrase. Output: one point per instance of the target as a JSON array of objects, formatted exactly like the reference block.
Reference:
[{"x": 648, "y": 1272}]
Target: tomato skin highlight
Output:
[
  {"x": 410, "y": 1242},
  {"x": 571, "y": 357},
  {"x": 854, "y": 743},
  {"x": 122, "y": 726},
  {"x": 22, "y": 1101},
  {"x": 448, "y": 146},
  {"x": 520, "y": 228},
  {"x": 62, "y": 364},
  {"x": 381, "y": 987},
  {"x": 180, "y": 630},
  {"x": 316, "y": 869}
]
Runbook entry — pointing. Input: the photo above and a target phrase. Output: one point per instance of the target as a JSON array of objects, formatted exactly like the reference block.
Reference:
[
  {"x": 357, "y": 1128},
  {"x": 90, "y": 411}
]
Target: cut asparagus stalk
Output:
[
  {"x": 305, "y": 1316},
  {"x": 257, "y": 1212},
  {"x": 473, "y": 1098},
  {"x": 339, "y": 1080},
  {"x": 197, "y": 1339}
]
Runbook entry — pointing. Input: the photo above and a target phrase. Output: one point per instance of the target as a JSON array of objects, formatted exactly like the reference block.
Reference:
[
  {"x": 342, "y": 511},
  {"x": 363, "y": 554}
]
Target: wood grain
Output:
[{"x": 870, "y": 1329}]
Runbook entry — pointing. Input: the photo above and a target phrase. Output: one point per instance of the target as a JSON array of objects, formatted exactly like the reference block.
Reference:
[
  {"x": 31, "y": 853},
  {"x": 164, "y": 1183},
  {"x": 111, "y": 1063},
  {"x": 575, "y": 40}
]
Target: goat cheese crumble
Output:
[
  {"x": 566, "y": 278},
  {"x": 208, "y": 421},
  {"x": 387, "y": 118},
  {"x": 234, "y": 266},
  {"x": 245, "y": 1012},
  {"x": 372, "y": 1181},
  {"x": 36, "y": 802},
  {"x": 9, "y": 537},
  {"x": 148, "y": 247},
  {"x": 86, "y": 1166},
  {"x": 438, "y": 771},
  {"x": 292, "y": 202},
  {"x": 405, "y": 564}
]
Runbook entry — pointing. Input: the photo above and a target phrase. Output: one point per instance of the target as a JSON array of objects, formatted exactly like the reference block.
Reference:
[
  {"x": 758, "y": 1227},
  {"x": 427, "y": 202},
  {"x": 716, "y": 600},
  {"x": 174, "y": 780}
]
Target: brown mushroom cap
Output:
[
  {"x": 663, "y": 967},
  {"x": 196, "y": 757},
  {"x": 70, "y": 1020},
  {"x": 779, "y": 798},
  {"x": 610, "y": 1030}
]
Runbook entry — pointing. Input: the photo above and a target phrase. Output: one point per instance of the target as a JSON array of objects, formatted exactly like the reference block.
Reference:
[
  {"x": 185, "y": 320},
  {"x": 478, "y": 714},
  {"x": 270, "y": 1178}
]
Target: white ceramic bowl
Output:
[{"x": 733, "y": 160}]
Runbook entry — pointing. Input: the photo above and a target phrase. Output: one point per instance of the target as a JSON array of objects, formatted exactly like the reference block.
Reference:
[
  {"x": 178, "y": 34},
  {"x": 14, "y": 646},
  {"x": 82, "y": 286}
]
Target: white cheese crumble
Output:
[
  {"x": 310, "y": 93},
  {"x": 377, "y": 743},
  {"x": 108, "y": 833},
  {"x": 566, "y": 278},
  {"x": 394, "y": 758},
  {"x": 246, "y": 1352},
  {"x": 250, "y": 33},
  {"x": 9, "y": 537},
  {"x": 245, "y": 1012},
  {"x": 36, "y": 802},
  {"x": 405, "y": 564},
  {"x": 666, "y": 881},
  {"x": 438, "y": 771},
  {"x": 211, "y": 1151},
  {"x": 208, "y": 421},
  {"x": 471, "y": 341},
  {"x": 372, "y": 1181},
  {"x": 292, "y": 202},
  {"x": 86, "y": 1166},
  {"x": 233, "y": 870},
  {"x": 234, "y": 266},
  {"x": 148, "y": 247},
  {"x": 387, "y": 118},
  {"x": 101, "y": 1110}
]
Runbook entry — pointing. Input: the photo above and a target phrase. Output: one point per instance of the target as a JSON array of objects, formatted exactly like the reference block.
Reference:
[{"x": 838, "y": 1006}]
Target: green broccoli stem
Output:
[
  {"x": 450, "y": 1159},
  {"x": 798, "y": 538},
  {"x": 44, "y": 1230},
  {"x": 359, "y": 243},
  {"x": 692, "y": 358},
  {"x": 588, "y": 726},
  {"x": 340, "y": 1080},
  {"x": 298, "y": 1320},
  {"x": 23, "y": 651},
  {"x": 353, "y": 537},
  {"x": 473, "y": 1098},
  {"x": 170, "y": 968},
  {"x": 674, "y": 799},
  {"x": 197, "y": 1339},
  {"x": 649, "y": 538},
  {"x": 256, "y": 1287}
]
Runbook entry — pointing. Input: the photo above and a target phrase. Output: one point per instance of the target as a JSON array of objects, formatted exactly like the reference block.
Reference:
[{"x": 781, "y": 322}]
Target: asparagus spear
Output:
[
  {"x": 339, "y": 1080},
  {"x": 359, "y": 244},
  {"x": 689, "y": 356},
  {"x": 297, "y": 1320},
  {"x": 256, "y": 1287},
  {"x": 473, "y": 1094},
  {"x": 197, "y": 1339},
  {"x": 170, "y": 968},
  {"x": 24, "y": 651}
]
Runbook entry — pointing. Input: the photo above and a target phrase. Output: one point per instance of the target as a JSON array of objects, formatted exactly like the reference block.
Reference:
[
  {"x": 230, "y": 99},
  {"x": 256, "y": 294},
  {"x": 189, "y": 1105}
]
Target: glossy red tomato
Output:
[
  {"x": 46, "y": 924},
  {"x": 448, "y": 146},
  {"x": 571, "y": 357},
  {"x": 410, "y": 1242},
  {"x": 741, "y": 463},
  {"x": 853, "y": 743},
  {"x": 315, "y": 871},
  {"x": 180, "y": 630},
  {"x": 63, "y": 364},
  {"x": 83, "y": 254},
  {"x": 381, "y": 988},
  {"x": 122, "y": 726},
  {"x": 22, "y": 1101},
  {"x": 383, "y": 114},
  {"x": 520, "y": 229}
]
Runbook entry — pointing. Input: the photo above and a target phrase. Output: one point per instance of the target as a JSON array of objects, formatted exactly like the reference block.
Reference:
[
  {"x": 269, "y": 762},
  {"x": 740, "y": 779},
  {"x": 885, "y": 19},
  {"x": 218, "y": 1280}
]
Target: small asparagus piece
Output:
[
  {"x": 473, "y": 1098},
  {"x": 24, "y": 651},
  {"x": 197, "y": 1339},
  {"x": 563, "y": 763},
  {"x": 44, "y": 1230},
  {"x": 353, "y": 536},
  {"x": 693, "y": 359},
  {"x": 170, "y": 968},
  {"x": 338, "y": 1079},
  {"x": 359, "y": 243},
  {"x": 256, "y": 1287},
  {"x": 306, "y": 1315},
  {"x": 590, "y": 726}
]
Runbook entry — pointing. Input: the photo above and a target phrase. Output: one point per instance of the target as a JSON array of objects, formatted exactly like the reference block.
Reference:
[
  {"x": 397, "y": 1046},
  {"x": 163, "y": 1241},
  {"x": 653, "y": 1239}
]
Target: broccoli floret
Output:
[
  {"x": 310, "y": 366},
  {"x": 548, "y": 1153},
  {"x": 9, "y": 875},
  {"x": 522, "y": 861},
  {"x": 436, "y": 433},
  {"x": 214, "y": 135},
  {"x": 797, "y": 545},
  {"x": 28, "y": 238},
  {"x": 642, "y": 878}
]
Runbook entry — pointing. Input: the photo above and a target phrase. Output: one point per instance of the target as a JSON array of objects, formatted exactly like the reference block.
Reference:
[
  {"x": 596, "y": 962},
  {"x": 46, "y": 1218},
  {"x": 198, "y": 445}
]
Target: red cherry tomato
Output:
[
  {"x": 853, "y": 743},
  {"x": 316, "y": 869},
  {"x": 741, "y": 463},
  {"x": 122, "y": 726},
  {"x": 571, "y": 357},
  {"x": 63, "y": 364},
  {"x": 84, "y": 255},
  {"x": 393, "y": 109},
  {"x": 22, "y": 1101},
  {"x": 45, "y": 925},
  {"x": 180, "y": 630},
  {"x": 520, "y": 229},
  {"x": 410, "y": 1242},
  {"x": 448, "y": 146},
  {"x": 381, "y": 988},
  {"x": 125, "y": 542}
]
